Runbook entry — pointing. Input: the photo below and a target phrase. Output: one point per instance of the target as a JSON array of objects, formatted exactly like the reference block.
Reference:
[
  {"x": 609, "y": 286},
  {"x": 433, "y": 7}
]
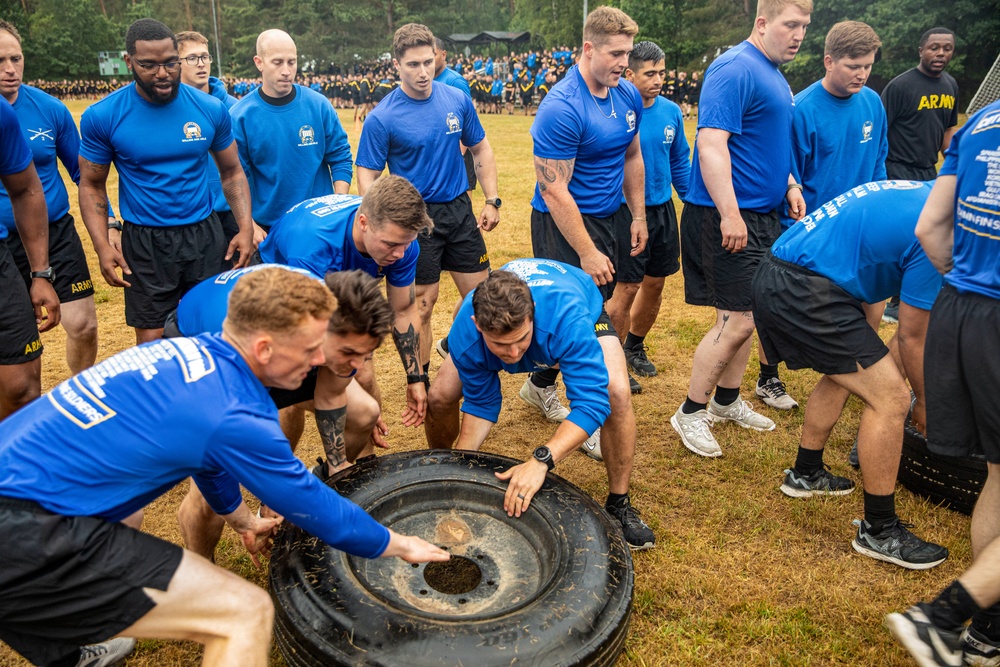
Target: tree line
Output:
[{"x": 62, "y": 37}]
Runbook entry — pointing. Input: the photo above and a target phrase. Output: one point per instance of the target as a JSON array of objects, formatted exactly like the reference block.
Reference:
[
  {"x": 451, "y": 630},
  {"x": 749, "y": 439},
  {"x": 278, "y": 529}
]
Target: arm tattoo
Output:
[
  {"x": 236, "y": 198},
  {"x": 408, "y": 345},
  {"x": 93, "y": 166},
  {"x": 100, "y": 205},
  {"x": 551, "y": 171},
  {"x": 331, "y": 425}
]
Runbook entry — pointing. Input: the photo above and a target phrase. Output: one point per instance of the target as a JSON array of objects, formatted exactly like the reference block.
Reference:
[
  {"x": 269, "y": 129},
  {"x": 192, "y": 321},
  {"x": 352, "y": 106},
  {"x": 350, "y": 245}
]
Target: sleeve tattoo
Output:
[
  {"x": 331, "y": 425},
  {"x": 549, "y": 171},
  {"x": 408, "y": 344}
]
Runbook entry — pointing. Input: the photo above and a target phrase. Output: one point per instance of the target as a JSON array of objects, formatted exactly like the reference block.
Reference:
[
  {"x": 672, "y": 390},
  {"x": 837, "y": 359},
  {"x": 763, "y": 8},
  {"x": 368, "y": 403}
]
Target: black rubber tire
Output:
[
  {"x": 951, "y": 481},
  {"x": 555, "y": 589}
]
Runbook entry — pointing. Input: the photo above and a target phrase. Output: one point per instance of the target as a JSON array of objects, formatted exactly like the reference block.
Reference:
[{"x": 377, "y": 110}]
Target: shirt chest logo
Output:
[
  {"x": 630, "y": 119},
  {"x": 989, "y": 121},
  {"x": 192, "y": 132},
  {"x": 453, "y": 123},
  {"x": 42, "y": 134},
  {"x": 307, "y": 136},
  {"x": 866, "y": 132},
  {"x": 668, "y": 134}
]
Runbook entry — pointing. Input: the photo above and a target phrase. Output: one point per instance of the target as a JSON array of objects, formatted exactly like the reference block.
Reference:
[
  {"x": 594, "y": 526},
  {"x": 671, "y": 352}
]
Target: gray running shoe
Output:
[
  {"x": 695, "y": 432},
  {"x": 852, "y": 458},
  {"x": 638, "y": 362},
  {"x": 442, "y": 347},
  {"x": 740, "y": 412},
  {"x": 592, "y": 446},
  {"x": 897, "y": 545},
  {"x": 773, "y": 393},
  {"x": 638, "y": 535},
  {"x": 106, "y": 653},
  {"x": 545, "y": 399},
  {"x": 821, "y": 483},
  {"x": 979, "y": 650},
  {"x": 929, "y": 645},
  {"x": 891, "y": 313}
]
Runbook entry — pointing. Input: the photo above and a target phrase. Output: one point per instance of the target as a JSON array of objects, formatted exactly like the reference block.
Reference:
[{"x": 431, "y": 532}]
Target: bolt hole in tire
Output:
[{"x": 551, "y": 588}]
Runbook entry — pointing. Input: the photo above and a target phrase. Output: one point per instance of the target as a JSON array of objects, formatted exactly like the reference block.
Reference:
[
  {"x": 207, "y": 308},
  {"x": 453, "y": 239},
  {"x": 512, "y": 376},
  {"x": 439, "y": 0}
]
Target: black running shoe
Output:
[
  {"x": 633, "y": 385},
  {"x": 895, "y": 544},
  {"x": 820, "y": 483},
  {"x": 638, "y": 362},
  {"x": 929, "y": 645},
  {"x": 979, "y": 650},
  {"x": 638, "y": 535}
]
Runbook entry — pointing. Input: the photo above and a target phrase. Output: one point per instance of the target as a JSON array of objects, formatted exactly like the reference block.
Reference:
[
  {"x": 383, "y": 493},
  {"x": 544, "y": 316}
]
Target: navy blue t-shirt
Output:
[
  {"x": 864, "y": 241},
  {"x": 316, "y": 235},
  {"x": 141, "y": 421},
  {"x": 572, "y": 124},
  {"x": 974, "y": 158},
  {"x": 15, "y": 156}
]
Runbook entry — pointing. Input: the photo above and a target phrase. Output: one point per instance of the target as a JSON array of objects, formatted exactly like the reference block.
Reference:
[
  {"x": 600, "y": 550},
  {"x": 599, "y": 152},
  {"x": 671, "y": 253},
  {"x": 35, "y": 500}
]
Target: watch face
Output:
[
  {"x": 497, "y": 202},
  {"x": 542, "y": 453}
]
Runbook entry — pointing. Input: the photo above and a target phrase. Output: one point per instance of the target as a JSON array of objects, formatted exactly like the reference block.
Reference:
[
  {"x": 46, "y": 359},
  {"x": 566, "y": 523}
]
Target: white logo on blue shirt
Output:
[
  {"x": 668, "y": 134},
  {"x": 630, "y": 117},
  {"x": 987, "y": 122},
  {"x": 307, "y": 136},
  {"x": 41, "y": 134},
  {"x": 454, "y": 124},
  {"x": 866, "y": 132},
  {"x": 192, "y": 132}
]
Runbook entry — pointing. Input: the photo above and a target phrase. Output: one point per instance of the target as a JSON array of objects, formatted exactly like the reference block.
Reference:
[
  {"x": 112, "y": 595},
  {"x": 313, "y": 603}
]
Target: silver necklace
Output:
[{"x": 610, "y": 97}]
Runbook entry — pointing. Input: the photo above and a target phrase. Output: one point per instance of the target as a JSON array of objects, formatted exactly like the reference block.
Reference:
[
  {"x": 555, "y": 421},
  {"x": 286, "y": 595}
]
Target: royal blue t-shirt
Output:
[
  {"x": 316, "y": 235},
  {"x": 141, "y": 421},
  {"x": 15, "y": 156},
  {"x": 567, "y": 305},
  {"x": 973, "y": 157},
  {"x": 160, "y": 151},
  {"x": 203, "y": 308},
  {"x": 217, "y": 89},
  {"x": 52, "y": 136},
  {"x": 746, "y": 95},
  {"x": 666, "y": 154},
  {"x": 864, "y": 241},
  {"x": 452, "y": 78},
  {"x": 837, "y": 143},
  {"x": 419, "y": 139},
  {"x": 290, "y": 152},
  {"x": 573, "y": 124}
]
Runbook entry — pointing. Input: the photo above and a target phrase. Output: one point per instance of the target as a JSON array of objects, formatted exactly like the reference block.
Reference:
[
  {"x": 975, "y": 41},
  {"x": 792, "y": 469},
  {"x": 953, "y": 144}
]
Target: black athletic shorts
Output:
[
  {"x": 470, "y": 169},
  {"x": 66, "y": 257},
  {"x": 19, "y": 339},
  {"x": 70, "y": 581},
  {"x": 900, "y": 171},
  {"x": 963, "y": 371},
  {"x": 661, "y": 257},
  {"x": 454, "y": 244},
  {"x": 713, "y": 276},
  {"x": 166, "y": 262},
  {"x": 603, "y": 326},
  {"x": 807, "y": 321},
  {"x": 606, "y": 233}
]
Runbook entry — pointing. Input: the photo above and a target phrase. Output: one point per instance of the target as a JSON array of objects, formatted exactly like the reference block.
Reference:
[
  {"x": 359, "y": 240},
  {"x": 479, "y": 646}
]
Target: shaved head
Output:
[{"x": 273, "y": 39}]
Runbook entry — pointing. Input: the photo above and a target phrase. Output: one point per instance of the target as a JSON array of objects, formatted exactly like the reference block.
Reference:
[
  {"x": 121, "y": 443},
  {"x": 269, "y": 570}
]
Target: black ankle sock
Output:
[
  {"x": 879, "y": 510},
  {"x": 632, "y": 341},
  {"x": 546, "y": 378},
  {"x": 615, "y": 498},
  {"x": 767, "y": 371},
  {"x": 808, "y": 461},
  {"x": 987, "y": 621},
  {"x": 953, "y": 607},
  {"x": 690, "y": 407},
  {"x": 726, "y": 396}
]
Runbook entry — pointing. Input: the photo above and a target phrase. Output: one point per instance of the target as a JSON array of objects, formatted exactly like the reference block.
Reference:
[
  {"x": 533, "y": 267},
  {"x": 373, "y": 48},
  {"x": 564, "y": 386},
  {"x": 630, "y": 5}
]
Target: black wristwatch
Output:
[
  {"x": 114, "y": 224},
  {"x": 544, "y": 455},
  {"x": 496, "y": 202},
  {"x": 48, "y": 274}
]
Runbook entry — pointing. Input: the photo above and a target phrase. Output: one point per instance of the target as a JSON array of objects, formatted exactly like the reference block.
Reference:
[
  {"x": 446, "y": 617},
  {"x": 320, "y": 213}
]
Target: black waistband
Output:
[{"x": 20, "y": 504}]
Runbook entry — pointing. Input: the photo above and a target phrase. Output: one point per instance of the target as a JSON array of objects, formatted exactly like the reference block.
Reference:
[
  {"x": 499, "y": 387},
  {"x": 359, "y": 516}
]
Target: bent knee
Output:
[{"x": 619, "y": 394}]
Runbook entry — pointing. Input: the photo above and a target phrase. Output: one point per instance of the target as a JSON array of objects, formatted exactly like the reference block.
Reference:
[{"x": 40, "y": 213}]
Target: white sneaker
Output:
[
  {"x": 592, "y": 446},
  {"x": 695, "y": 433},
  {"x": 773, "y": 393},
  {"x": 442, "y": 347},
  {"x": 106, "y": 653},
  {"x": 545, "y": 399},
  {"x": 740, "y": 412}
]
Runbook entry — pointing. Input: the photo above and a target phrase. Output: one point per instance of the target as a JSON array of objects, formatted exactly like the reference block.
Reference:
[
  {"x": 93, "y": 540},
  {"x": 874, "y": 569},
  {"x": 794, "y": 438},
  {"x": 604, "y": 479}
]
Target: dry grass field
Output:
[{"x": 741, "y": 575}]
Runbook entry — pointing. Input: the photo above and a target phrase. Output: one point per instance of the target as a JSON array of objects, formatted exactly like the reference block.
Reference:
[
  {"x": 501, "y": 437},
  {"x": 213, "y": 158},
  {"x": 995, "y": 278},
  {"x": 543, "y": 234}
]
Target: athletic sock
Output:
[
  {"x": 767, "y": 371},
  {"x": 808, "y": 461},
  {"x": 726, "y": 396},
  {"x": 879, "y": 510},
  {"x": 615, "y": 499},
  {"x": 953, "y": 607},
  {"x": 546, "y": 378},
  {"x": 690, "y": 407},
  {"x": 633, "y": 342},
  {"x": 987, "y": 621}
]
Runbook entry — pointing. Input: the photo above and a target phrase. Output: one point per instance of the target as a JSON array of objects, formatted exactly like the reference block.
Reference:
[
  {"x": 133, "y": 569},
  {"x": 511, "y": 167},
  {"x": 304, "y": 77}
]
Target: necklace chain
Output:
[{"x": 610, "y": 97}]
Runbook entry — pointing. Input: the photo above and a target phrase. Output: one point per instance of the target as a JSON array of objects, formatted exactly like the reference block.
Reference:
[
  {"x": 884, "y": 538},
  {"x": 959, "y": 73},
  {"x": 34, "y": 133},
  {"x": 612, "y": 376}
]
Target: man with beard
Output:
[{"x": 158, "y": 134}]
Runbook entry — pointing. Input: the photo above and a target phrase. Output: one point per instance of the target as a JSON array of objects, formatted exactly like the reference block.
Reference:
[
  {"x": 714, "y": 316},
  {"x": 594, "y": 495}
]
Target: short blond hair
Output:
[
  {"x": 851, "y": 39},
  {"x": 770, "y": 9},
  {"x": 190, "y": 36},
  {"x": 606, "y": 22},
  {"x": 276, "y": 301}
]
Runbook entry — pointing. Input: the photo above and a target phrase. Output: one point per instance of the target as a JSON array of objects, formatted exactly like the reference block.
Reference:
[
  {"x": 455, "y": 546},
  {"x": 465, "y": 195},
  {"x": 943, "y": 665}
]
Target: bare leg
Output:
[
  {"x": 19, "y": 385},
  {"x": 647, "y": 306},
  {"x": 293, "y": 423},
  {"x": 618, "y": 433},
  {"x": 619, "y": 307},
  {"x": 724, "y": 348},
  {"x": 427, "y": 296},
  {"x": 981, "y": 579},
  {"x": 200, "y": 526},
  {"x": 79, "y": 319},
  {"x": 147, "y": 335},
  {"x": 442, "y": 422}
]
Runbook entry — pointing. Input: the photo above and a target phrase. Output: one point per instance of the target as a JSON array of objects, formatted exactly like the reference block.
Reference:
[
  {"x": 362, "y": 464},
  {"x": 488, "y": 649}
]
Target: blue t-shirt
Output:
[
  {"x": 419, "y": 139},
  {"x": 573, "y": 124},
  {"x": 290, "y": 152},
  {"x": 141, "y": 421},
  {"x": 864, "y": 241},
  {"x": 666, "y": 154},
  {"x": 452, "y": 78},
  {"x": 837, "y": 143},
  {"x": 746, "y": 95},
  {"x": 15, "y": 155},
  {"x": 973, "y": 157},
  {"x": 160, "y": 151},
  {"x": 316, "y": 235},
  {"x": 567, "y": 305},
  {"x": 203, "y": 308},
  {"x": 52, "y": 136},
  {"x": 217, "y": 89}
]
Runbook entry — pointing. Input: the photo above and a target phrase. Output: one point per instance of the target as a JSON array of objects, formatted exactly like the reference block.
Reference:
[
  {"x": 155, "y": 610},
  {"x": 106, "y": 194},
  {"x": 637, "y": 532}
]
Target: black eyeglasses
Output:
[
  {"x": 170, "y": 65},
  {"x": 194, "y": 60}
]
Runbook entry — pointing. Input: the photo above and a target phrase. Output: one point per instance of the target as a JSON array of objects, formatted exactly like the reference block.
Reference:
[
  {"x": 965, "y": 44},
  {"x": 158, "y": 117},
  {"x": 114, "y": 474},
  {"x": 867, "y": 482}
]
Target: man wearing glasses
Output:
[{"x": 159, "y": 134}]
